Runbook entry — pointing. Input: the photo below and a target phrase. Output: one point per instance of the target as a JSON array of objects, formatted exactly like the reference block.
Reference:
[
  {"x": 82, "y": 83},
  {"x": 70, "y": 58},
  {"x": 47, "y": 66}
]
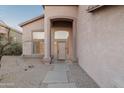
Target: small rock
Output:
[
  {"x": 31, "y": 66},
  {"x": 26, "y": 69}
]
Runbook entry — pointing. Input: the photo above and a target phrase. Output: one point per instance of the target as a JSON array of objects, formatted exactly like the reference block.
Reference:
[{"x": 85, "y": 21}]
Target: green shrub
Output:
[{"x": 13, "y": 49}]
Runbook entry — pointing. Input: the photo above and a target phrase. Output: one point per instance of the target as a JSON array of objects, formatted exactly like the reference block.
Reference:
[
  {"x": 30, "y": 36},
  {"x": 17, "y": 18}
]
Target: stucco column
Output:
[
  {"x": 47, "y": 40},
  {"x": 52, "y": 42},
  {"x": 70, "y": 45},
  {"x": 74, "y": 41}
]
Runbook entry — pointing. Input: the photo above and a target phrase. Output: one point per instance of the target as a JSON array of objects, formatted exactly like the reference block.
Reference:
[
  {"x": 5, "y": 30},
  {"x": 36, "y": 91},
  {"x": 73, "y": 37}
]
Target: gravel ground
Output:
[
  {"x": 80, "y": 77},
  {"x": 18, "y": 72}
]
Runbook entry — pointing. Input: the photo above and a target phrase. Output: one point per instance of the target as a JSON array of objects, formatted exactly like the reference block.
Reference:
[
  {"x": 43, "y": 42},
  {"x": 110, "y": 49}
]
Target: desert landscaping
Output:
[{"x": 21, "y": 72}]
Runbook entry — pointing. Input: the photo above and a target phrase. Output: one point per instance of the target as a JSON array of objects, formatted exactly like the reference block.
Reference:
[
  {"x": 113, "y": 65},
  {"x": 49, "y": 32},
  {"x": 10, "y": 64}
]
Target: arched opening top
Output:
[
  {"x": 62, "y": 19},
  {"x": 61, "y": 22}
]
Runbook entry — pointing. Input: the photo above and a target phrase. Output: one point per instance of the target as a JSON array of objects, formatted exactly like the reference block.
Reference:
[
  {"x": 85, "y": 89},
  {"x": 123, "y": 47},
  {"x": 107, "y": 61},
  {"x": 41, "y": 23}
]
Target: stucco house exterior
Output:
[{"x": 94, "y": 37}]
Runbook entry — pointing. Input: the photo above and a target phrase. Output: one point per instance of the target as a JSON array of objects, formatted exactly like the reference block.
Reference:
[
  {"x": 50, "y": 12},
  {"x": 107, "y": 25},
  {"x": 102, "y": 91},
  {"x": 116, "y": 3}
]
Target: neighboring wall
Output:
[
  {"x": 16, "y": 36},
  {"x": 27, "y": 35},
  {"x": 100, "y": 44}
]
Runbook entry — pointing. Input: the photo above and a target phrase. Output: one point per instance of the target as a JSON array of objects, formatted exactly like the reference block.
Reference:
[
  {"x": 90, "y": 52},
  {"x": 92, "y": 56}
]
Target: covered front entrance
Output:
[{"x": 61, "y": 39}]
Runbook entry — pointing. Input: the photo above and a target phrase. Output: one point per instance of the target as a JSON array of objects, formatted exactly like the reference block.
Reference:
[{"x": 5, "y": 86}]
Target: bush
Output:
[{"x": 13, "y": 49}]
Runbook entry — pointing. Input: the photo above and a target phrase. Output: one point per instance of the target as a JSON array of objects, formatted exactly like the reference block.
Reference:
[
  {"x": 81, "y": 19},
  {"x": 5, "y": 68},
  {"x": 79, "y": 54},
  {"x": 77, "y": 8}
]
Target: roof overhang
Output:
[
  {"x": 92, "y": 8},
  {"x": 31, "y": 20}
]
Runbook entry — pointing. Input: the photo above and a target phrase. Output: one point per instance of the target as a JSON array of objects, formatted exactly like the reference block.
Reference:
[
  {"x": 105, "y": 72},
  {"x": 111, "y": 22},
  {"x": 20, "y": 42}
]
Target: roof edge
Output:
[
  {"x": 31, "y": 20},
  {"x": 92, "y": 8},
  {"x": 11, "y": 28}
]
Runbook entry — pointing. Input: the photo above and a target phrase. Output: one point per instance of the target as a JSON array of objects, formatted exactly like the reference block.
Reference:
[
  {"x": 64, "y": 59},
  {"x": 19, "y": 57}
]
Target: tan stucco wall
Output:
[
  {"x": 100, "y": 44},
  {"x": 27, "y": 35},
  {"x": 63, "y": 10}
]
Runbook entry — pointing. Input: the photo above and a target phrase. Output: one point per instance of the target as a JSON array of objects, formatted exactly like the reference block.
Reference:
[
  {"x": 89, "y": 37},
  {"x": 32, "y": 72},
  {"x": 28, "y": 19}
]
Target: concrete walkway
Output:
[
  {"x": 57, "y": 78},
  {"x": 68, "y": 75},
  {"x": 19, "y": 72}
]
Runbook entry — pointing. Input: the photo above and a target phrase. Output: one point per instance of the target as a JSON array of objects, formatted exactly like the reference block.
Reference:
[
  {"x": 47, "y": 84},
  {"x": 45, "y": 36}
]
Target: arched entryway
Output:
[
  {"x": 61, "y": 30},
  {"x": 54, "y": 45}
]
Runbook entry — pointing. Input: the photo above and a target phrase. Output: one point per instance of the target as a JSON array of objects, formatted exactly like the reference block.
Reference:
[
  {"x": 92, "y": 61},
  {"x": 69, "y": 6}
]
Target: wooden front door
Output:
[{"x": 61, "y": 50}]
